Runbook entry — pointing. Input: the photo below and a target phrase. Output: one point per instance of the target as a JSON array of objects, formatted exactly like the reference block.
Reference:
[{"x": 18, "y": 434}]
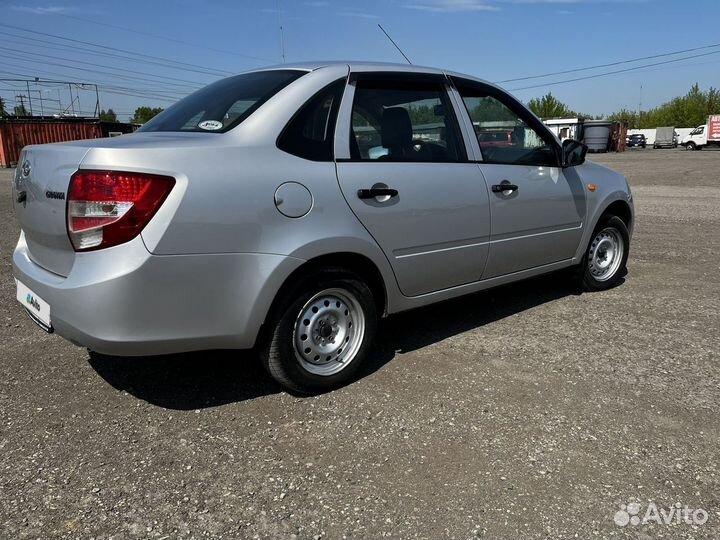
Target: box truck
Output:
[
  {"x": 705, "y": 135},
  {"x": 665, "y": 137}
]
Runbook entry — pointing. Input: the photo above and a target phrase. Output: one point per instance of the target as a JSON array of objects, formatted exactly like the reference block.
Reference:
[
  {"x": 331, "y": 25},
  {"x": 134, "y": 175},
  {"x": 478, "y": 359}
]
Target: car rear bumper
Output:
[{"x": 126, "y": 301}]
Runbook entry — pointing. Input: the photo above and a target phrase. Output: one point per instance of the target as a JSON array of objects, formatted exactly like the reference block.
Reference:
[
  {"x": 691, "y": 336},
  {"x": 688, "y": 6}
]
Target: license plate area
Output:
[{"x": 36, "y": 307}]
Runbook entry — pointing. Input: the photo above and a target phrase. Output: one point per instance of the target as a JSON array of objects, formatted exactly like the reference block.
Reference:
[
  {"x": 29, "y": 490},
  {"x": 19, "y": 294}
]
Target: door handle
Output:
[
  {"x": 499, "y": 188},
  {"x": 376, "y": 192}
]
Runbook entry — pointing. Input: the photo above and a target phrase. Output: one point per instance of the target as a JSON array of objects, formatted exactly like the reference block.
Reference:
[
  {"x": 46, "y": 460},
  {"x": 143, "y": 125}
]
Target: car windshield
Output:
[{"x": 223, "y": 104}]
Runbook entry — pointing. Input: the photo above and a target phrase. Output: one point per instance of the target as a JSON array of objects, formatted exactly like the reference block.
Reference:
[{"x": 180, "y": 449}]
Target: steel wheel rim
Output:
[
  {"x": 606, "y": 254},
  {"x": 329, "y": 332}
]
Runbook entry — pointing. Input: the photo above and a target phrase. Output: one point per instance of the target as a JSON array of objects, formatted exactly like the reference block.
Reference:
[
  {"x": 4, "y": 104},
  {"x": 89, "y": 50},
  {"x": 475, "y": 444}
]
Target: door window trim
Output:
[
  {"x": 408, "y": 77},
  {"x": 516, "y": 108}
]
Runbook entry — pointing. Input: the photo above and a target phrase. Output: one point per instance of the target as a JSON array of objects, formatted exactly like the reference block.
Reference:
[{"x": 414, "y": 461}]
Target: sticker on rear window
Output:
[{"x": 210, "y": 125}]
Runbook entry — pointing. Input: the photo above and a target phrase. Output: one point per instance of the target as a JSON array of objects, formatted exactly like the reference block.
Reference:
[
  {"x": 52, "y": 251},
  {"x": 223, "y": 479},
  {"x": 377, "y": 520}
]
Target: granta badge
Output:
[{"x": 59, "y": 195}]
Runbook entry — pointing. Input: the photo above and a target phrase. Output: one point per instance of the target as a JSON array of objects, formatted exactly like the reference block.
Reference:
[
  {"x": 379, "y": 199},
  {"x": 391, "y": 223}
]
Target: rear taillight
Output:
[{"x": 107, "y": 208}]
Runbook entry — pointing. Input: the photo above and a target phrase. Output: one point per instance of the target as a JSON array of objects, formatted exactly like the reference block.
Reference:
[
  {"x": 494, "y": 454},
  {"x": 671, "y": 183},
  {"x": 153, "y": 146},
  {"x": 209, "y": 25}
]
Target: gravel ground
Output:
[{"x": 529, "y": 411}]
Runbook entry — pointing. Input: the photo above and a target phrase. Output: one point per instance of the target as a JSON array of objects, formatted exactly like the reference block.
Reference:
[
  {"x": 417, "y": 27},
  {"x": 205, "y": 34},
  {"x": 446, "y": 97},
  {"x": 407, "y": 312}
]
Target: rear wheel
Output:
[
  {"x": 605, "y": 261},
  {"x": 319, "y": 340}
]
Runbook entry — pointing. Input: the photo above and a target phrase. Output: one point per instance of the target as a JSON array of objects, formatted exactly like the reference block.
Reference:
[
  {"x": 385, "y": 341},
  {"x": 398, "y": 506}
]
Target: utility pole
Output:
[
  {"x": 29, "y": 98},
  {"x": 72, "y": 99},
  {"x": 640, "y": 109},
  {"x": 22, "y": 102},
  {"x": 42, "y": 110},
  {"x": 282, "y": 33}
]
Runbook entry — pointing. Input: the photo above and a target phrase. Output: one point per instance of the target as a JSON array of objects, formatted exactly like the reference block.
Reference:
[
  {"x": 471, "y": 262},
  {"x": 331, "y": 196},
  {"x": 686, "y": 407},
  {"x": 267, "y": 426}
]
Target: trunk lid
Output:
[{"x": 39, "y": 198}]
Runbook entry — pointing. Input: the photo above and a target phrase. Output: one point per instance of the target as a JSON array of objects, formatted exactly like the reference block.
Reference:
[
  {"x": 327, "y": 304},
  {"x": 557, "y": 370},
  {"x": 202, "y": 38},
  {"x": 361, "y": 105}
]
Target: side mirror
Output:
[{"x": 574, "y": 153}]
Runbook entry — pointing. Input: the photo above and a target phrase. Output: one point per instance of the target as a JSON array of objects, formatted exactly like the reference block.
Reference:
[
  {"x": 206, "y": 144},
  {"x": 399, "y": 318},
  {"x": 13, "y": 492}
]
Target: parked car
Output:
[
  {"x": 494, "y": 138},
  {"x": 636, "y": 140},
  {"x": 251, "y": 215}
]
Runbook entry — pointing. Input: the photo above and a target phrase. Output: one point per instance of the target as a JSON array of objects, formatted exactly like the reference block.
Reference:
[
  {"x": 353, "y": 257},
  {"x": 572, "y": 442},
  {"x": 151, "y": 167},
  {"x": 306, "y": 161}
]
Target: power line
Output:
[
  {"x": 170, "y": 64},
  {"x": 93, "y": 71},
  {"x": 627, "y": 70},
  {"x": 131, "y": 92},
  {"x": 106, "y": 47},
  {"x": 191, "y": 84},
  {"x": 611, "y": 64},
  {"x": 167, "y": 38}
]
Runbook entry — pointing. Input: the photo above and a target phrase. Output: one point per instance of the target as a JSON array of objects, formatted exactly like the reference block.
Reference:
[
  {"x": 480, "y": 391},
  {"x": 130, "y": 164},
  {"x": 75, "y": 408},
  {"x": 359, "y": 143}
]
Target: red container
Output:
[{"x": 17, "y": 133}]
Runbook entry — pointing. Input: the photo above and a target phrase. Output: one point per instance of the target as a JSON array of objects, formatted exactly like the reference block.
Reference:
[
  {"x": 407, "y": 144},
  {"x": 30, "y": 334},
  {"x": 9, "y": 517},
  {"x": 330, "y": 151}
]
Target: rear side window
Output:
[
  {"x": 310, "y": 133},
  {"x": 223, "y": 104}
]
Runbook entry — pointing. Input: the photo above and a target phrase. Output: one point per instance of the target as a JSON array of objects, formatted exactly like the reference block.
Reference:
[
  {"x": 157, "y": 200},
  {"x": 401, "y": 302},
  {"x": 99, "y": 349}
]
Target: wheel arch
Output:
[
  {"x": 616, "y": 204},
  {"x": 345, "y": 261},
  {"x": 620, "y": 209}
]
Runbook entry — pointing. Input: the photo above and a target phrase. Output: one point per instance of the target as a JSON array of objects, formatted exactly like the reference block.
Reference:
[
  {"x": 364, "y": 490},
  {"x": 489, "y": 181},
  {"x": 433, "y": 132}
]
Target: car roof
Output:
[{"x": 370, "y": 66}]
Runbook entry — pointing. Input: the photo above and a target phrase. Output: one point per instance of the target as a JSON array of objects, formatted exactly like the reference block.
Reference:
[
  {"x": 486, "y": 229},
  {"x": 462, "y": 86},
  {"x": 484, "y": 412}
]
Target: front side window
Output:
[
  {"x": 222, "y": 105},
  {"x": 404, "y": 121},
  {"x": 503, "y": 135}
]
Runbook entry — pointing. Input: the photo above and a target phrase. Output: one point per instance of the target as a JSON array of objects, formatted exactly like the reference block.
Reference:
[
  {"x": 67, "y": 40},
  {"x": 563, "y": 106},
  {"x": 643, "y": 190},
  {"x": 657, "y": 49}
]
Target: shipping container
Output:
[{"x": 16, "y": 133}]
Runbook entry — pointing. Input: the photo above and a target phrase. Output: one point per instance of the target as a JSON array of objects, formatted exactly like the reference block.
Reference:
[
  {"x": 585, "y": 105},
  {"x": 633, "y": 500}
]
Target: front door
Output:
[
  {"x": 409, "y": 182},
  {"x": 536, "y": 209}
]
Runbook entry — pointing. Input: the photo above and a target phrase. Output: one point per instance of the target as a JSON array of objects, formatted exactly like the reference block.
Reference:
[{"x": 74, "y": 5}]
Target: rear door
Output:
[
  {"x": 407, "y": 178},
  {"x": 536, "y": 209}
]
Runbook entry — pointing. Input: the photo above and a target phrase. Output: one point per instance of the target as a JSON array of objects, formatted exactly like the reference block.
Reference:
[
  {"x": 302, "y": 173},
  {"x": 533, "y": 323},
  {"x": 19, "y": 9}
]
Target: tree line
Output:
[{"x": 689, "y": 110}]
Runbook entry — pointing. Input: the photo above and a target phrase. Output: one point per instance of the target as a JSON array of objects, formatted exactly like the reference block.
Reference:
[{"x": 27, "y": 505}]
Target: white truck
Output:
[{"x": 704, "y": 136}]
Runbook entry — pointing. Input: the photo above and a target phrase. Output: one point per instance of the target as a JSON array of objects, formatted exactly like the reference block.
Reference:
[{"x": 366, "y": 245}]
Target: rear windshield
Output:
[{"x": 223, "y": 104}]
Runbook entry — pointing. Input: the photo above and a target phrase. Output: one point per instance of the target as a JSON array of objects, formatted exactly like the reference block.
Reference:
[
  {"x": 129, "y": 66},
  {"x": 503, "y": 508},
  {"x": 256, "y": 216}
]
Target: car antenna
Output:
[{"x": 393, "y": 42}]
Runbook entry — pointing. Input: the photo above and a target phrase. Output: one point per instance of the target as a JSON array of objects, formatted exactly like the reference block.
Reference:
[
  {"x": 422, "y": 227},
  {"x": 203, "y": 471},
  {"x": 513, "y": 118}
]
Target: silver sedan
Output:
[{"x": 288, "y": 209}]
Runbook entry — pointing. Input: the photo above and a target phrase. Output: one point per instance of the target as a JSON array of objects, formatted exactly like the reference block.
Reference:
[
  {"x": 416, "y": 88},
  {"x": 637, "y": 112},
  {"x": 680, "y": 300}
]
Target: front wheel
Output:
[
  {"x": 605, "y": 261},
  {"x": 320, "y": 339}
]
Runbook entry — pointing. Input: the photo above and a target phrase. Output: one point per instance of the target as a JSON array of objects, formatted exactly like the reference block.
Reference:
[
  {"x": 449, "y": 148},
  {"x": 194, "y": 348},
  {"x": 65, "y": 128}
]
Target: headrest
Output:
[{"x": 396, "y": 127}]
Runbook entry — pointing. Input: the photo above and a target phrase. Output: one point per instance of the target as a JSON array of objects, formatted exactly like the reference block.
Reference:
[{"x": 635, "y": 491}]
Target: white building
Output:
[{"x": 564, "y": 128}]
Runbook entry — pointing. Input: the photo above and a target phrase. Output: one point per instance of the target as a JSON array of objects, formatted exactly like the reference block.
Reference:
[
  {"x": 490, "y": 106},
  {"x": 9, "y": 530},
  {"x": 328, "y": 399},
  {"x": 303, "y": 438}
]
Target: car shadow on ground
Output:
[{"x": 212, "y": 378}]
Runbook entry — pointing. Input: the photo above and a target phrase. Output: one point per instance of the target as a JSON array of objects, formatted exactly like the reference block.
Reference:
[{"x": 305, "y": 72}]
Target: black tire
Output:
[
  {"x": 690, "y": 147},
  {"x": 286, "y": 363},
  {"x": 589, "y": 272}
]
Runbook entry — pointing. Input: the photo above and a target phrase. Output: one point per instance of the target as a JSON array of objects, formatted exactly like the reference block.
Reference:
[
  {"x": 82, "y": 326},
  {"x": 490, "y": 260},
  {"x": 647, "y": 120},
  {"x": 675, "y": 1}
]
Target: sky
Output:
[{"x": 152, "y": 52}]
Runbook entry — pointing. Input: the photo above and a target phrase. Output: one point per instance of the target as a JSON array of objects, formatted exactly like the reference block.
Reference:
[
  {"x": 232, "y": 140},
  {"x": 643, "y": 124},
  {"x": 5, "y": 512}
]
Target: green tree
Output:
[
  {"x": 20, "y": 110},
  {"x": 689, "y": 110},
  {"x": 145, "y": 114},
  {"x": 549, "y": 106},
  {"x": 2, "y": 108},
  {"x": 108, "y": 116},
  {"x": 630, "y": 118}
]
